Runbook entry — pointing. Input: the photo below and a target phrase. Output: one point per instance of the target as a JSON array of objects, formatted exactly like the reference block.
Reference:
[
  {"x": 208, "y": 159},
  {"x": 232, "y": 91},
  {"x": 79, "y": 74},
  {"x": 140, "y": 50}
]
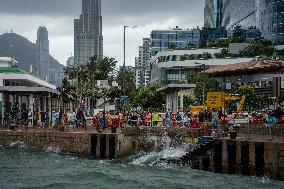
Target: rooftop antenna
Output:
[{"x": 11, "y": 31}]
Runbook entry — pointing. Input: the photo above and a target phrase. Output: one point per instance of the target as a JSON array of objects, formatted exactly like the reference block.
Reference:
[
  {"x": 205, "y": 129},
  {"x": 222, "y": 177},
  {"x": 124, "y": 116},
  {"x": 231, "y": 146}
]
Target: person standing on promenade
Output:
[
  {"x": 94, "y": 120},
  {"x": 168, "y": 119},
  {"x": 19, "y": 117},
  {"x": 42, "y": 118},
  {"x": 71, "y": 118},
  {"x": 155, "y": 119},
  {"x": 25, "y": 117},
  {"x": 110, "y": 121},
  {"x": 134, "y": 119},
  {"x": 116, "y": 121},
  {"x": 180, "y": 119},
  {"x": 57, "y": 119},
  {"x": 186, "y": 120},
  {"x": 37, "y": 118},
  {"x": 30, "y": 117}
]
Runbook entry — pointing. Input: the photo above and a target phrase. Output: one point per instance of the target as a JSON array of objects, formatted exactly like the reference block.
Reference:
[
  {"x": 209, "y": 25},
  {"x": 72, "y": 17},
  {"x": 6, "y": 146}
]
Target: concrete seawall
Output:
[
  {"x": 79, "y": 143},
  {"x": 259, "y": 158},
  {"x": 97, "y": 145},
  {"x": 232, "y": 156}
]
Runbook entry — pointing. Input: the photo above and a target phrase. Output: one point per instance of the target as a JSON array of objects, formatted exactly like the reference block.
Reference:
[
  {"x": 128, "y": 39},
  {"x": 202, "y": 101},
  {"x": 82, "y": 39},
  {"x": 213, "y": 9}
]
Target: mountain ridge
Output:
[{"x": 24, "y": 51}]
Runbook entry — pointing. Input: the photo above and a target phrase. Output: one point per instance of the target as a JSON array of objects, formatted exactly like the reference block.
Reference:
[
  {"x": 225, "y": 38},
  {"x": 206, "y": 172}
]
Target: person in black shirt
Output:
[
  {"x": 25, "y": 117},
  {"x": 42, "y": 118}
]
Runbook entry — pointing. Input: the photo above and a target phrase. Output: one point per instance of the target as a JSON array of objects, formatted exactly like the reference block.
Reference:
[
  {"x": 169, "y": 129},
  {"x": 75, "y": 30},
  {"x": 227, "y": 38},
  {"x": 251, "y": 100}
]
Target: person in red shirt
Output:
[
  {"x": 110, "y": 121},
  {"x": 94, "y": 120},
  {"x": 116, "y": 122},
  {"x": 173, "y": 118}
]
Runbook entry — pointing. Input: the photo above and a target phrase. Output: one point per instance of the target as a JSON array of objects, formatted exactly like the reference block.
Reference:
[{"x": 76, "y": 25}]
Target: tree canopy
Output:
[
  {"x": 127, "y": 78},
  {"x": 149, "y": 98},
  {"x": 82, "y": 78},
  {"x": 201, "y": 80},
  {"x": 259, "y": 47}
]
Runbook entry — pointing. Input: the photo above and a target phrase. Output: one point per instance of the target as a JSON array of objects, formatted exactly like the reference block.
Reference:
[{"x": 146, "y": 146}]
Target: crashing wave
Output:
[
  {"x": 151, "y": 158},
  {"x": 53, "y": 149},
  {"x": 163, "y": 148},
  {"x": 17, "y": 144},
  {"x": 265, "y": 180}
]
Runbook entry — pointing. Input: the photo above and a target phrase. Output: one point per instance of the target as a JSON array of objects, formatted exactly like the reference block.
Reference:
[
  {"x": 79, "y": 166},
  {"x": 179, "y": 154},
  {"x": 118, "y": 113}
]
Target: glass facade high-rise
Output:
[
  {"x": 239, "y": 12},
  {"x": 267, "y": 16},
  {"x": 161, "y": 40},
  {"x": 142, "y": 66},
  {"x": 88, "y": 39},
  {"x": 213, "y": 13},
  {"x": 270, "y": 16}
]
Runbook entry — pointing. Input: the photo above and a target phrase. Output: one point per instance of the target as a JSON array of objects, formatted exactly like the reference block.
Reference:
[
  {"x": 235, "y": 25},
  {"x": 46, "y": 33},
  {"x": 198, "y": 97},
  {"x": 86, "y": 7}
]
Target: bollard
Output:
[
  {"x": 217, "y": 148},
  {"x": 245, "y": 158},
  {"x": 205, "y": 162},
  {"x": 259, "y": 158},
  {"x": 93, "y": 145},
  {"x": 112, "y": 146},
  {"x": 231, "y": 149},
  {"x": 102, "y": 146}
]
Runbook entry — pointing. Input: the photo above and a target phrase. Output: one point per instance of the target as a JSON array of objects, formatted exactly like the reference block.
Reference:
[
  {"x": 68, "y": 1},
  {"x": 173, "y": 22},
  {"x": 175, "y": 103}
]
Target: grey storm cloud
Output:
[
  {"x": 24, "y": 17},
  {"x": 110, "y": 7}
]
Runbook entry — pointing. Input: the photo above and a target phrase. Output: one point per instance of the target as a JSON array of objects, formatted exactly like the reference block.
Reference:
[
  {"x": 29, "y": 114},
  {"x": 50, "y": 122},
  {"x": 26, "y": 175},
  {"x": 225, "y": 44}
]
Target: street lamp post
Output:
[
  {"x": 124, "y": 49},
  {"x": 123, "y": 82}
]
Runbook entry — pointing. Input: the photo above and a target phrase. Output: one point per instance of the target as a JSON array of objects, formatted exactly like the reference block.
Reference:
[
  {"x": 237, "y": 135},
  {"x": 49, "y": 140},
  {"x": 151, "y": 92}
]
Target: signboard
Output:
[
  {"x": 242, "y": 121},
  {"x": 215, "y": 99},
  {"x": 123, "y": 98},
  {"x": 197, "y": 109},
  {"x": 102, "y": 83}
]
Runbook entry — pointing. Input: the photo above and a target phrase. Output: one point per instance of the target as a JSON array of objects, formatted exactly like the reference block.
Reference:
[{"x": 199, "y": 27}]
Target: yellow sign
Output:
[
  {"x": 215, "y": 99},
  {"x": 197, "y": 109}
]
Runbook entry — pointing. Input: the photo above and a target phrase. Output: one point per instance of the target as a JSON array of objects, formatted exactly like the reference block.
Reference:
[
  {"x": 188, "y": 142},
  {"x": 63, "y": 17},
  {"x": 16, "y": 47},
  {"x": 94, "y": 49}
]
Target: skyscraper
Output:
[
  {"x": 42, "y": 53},
  {"x": 213, "y": 13},
  {"x": 266, "y": 16},
  {"x": 270, "y": 20},
  {"x": 142, "y": 66},
  {"x": 162, "y": 39},
  {"x": 88, "y": 39},
  {"x": 240, "y": 12}
]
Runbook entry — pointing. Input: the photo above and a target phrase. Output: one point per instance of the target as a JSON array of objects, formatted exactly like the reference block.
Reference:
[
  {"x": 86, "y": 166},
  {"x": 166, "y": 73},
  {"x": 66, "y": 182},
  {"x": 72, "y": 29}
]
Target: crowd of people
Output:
[
  {"x": 152, "y": 119},
  {"x": 26, "y": 118}
]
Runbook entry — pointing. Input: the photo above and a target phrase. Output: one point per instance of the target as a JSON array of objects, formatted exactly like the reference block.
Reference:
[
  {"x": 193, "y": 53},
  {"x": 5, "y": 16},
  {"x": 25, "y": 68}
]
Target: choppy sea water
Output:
[{"x": 20, "y": 168}]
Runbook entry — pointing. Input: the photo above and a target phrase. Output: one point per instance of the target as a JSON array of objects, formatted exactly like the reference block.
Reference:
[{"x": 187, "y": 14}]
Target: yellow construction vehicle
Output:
[{"x": 242, "y": 99}]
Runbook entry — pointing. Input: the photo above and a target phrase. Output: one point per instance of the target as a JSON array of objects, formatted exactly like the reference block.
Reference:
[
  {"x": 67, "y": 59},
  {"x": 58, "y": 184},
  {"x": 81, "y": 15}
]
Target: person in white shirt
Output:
[{"x": 30, "y": 118}]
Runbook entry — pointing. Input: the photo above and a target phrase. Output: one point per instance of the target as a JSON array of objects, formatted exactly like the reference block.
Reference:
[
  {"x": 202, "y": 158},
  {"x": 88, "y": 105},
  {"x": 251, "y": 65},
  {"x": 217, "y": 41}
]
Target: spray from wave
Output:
[
  {"x": 163, "y": 148},
  {"x": 17, "y": 144},
  {"x": 53, "y": 149}
]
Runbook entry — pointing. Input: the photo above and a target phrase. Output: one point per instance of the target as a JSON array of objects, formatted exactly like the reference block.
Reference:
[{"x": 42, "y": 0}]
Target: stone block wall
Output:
[{"x": 73, "y": 143}]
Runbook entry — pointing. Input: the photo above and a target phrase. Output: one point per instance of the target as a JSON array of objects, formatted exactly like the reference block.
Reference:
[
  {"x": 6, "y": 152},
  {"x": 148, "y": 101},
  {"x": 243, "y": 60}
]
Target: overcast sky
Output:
[{"x": 25, "y": 16}]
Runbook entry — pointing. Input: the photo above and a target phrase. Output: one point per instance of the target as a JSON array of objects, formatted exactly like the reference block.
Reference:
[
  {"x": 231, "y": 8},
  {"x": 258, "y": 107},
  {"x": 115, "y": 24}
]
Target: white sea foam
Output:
[
  {"x": 53, "y": 149},
  {"x": 163, "y": 149},
  {"x": 265, "y": 180},
  {"x": 17, "y": 144}
]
